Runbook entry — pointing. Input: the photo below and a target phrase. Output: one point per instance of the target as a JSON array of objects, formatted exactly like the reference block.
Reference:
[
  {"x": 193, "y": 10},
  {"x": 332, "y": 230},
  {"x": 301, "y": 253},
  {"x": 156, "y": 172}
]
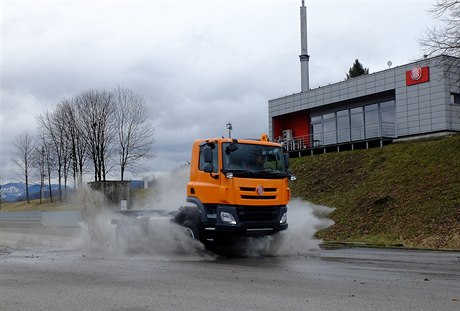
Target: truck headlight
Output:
[
  {"x": 227, "y": 218},
  {"x": 283, "y": 219}
]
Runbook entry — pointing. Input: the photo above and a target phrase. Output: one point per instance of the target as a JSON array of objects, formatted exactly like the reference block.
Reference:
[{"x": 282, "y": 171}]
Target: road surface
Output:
[{"x": 61, "y": 269}]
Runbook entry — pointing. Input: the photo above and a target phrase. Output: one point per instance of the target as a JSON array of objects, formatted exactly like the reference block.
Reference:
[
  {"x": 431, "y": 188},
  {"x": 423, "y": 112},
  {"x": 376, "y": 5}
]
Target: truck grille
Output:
[
  {"x": 258, "y": 197},
  {"x": 249, "y": 193},
  {"x": 258, "y": 213},
  {"x": 252, "y": 189}
]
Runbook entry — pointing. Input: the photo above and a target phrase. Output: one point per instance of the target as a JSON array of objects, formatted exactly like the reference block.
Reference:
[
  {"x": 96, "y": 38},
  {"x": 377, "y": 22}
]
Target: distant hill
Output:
[
  {"x": 15, "y": 192},
  {"x": 406, "y": 193}
]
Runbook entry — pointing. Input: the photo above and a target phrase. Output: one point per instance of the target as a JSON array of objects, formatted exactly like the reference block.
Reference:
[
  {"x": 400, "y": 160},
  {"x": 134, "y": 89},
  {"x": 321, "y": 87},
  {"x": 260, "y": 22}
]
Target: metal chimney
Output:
[{"x": 304, "y": 57}]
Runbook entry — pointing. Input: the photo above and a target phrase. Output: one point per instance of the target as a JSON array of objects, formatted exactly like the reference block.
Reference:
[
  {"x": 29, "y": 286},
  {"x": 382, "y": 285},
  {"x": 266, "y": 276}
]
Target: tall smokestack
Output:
[{"x": 304, "y": 57}]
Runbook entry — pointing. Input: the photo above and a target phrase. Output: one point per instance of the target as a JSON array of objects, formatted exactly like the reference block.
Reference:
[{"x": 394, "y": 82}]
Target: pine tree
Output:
[{"x": 357, "y": 70}]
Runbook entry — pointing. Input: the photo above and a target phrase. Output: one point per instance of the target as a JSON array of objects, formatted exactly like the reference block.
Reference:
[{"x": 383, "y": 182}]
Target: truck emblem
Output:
[{"x": 260, "y": 190}]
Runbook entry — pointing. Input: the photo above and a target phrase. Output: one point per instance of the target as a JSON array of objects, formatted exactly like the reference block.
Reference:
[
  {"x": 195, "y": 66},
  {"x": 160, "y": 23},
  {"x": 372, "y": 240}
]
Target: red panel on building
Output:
[
  {"x": 297, "y": 122},
  {"x": 417, "y": 75}
]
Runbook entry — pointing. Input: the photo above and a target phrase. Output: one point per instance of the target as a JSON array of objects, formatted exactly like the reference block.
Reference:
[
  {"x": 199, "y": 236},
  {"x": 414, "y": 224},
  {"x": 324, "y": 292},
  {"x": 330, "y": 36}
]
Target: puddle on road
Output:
[
  {"x": 97, "y": 238},
  {"x": 96, "y": 234}
]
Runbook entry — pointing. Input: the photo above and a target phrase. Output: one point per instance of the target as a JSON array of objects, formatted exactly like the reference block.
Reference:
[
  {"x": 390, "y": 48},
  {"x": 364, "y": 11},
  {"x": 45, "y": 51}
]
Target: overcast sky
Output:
[{"x": 198, "y": 64}]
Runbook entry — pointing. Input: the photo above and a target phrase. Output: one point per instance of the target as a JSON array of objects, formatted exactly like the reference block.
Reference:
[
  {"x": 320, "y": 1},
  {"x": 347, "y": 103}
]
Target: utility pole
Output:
[{"x": 229, "y": 128}]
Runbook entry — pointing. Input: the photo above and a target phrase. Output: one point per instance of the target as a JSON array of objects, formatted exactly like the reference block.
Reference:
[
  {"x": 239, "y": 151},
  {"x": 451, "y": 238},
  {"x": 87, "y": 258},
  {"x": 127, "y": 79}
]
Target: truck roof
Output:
[{"x": 243, "y": 141}]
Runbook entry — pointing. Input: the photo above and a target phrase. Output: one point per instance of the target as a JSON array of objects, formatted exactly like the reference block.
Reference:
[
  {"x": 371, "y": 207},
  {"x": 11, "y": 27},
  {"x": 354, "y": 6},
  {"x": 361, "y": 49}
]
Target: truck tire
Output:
[
  {"x": 191, "y": 230},
  {"x": 189, "y": 237}
]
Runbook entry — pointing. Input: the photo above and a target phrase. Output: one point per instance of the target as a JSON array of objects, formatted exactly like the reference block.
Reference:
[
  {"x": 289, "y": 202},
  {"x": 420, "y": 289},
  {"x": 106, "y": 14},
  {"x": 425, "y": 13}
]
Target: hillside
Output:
[
  {"x": 407, "y": 193},
  {"x": 16, "y": 191}
]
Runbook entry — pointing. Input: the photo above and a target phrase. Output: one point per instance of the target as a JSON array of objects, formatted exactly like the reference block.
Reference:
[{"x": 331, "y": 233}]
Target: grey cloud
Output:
[{"x": 197, "y": 64}]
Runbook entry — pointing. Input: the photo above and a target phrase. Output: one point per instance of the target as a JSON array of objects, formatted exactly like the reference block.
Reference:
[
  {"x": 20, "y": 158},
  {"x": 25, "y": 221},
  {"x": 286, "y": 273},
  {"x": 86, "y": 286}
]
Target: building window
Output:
[
  {"x": 329, "y": 129},
  {"x": 388, "y": 118},
  {"x": 455, "y": 99},
  {"x": 316, "y": 119},
  {"x": 343, "y": 126},
  {"x": 372, "y": 121},
  {"x": 357, "y": 123},
  {"x": 317, "y": 134}
]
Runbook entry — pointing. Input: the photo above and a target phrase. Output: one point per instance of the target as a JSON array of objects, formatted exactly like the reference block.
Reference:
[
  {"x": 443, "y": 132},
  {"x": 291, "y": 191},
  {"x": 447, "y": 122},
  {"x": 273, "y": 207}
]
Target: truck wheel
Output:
[
  {"x": 187, "y": 239},
  {"x": 191, "y": 230}
]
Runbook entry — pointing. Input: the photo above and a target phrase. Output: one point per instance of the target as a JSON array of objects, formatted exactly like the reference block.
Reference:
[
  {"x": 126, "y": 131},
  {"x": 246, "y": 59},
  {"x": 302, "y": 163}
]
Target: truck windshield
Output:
[{"x": 253, "y": 160}]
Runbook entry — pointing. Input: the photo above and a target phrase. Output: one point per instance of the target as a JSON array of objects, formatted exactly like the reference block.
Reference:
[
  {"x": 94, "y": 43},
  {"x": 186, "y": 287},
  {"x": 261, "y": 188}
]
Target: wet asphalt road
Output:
[{"x": 43, "y": 269}]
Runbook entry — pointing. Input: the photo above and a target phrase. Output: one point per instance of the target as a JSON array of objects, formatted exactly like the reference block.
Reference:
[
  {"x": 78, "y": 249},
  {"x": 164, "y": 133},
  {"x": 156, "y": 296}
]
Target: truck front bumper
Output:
[{"x": 246, "y": 220}]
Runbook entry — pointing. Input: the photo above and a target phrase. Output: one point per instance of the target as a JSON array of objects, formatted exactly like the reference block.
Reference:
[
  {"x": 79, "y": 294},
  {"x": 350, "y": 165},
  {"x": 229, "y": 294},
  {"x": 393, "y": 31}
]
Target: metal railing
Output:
[{"x": 342, "y": 136}]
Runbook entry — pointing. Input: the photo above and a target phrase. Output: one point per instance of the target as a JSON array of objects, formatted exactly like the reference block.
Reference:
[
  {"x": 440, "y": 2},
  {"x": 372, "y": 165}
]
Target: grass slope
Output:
[{"x": 406, "y": 193}]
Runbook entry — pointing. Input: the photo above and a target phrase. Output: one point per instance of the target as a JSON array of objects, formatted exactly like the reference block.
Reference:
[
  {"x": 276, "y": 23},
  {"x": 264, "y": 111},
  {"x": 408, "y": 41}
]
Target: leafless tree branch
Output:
[{"x": 22, "y": 157}]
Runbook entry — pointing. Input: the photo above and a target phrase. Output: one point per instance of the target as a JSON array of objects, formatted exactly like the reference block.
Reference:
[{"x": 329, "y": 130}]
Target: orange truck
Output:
[{"x": 237, "y": 188}]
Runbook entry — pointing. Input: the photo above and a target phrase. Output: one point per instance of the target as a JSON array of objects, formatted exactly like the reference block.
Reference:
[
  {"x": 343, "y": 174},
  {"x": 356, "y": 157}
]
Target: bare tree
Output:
[
  {"x": 61, "y": 125},
  {"x": 39, "y": 163},
  {"x": 48, "y": 160},
  {"x": 22, "y": 156},
  {"x": 134, "y": 131},
  {"x": 96, "y": 109},
  {"x": 53, "y": 125},
  {"x": 93, "y": 127},
  {"x": 446, "y": 39},
  {"x": 74, "y": 136}
]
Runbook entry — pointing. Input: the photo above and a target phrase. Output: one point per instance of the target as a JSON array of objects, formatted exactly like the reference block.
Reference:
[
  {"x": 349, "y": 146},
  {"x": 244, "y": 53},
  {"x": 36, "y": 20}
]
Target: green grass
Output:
[{"x": 405, "y": 193}]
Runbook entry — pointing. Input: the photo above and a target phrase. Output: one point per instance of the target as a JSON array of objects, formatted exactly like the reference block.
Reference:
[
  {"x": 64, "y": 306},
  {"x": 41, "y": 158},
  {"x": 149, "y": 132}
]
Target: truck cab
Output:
[{"x": 237, "y": 187}]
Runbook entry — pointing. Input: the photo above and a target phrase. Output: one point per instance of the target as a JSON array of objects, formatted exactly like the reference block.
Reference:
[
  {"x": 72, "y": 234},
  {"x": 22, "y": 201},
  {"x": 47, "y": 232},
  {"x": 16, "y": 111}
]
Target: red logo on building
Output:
[{"x": 417, "y": 75}]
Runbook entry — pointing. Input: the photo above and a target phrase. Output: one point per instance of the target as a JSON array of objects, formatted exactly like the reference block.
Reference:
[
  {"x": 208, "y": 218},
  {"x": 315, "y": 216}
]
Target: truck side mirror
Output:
[{"x": 207, "y": 155}]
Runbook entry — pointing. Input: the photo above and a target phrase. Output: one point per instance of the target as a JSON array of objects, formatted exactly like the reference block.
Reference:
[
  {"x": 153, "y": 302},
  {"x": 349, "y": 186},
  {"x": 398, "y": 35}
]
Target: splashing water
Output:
[
  {"x": 304, "y": 220},
  {"x": 154, "y": 236},
  {"x": 161, "y": 237}
]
